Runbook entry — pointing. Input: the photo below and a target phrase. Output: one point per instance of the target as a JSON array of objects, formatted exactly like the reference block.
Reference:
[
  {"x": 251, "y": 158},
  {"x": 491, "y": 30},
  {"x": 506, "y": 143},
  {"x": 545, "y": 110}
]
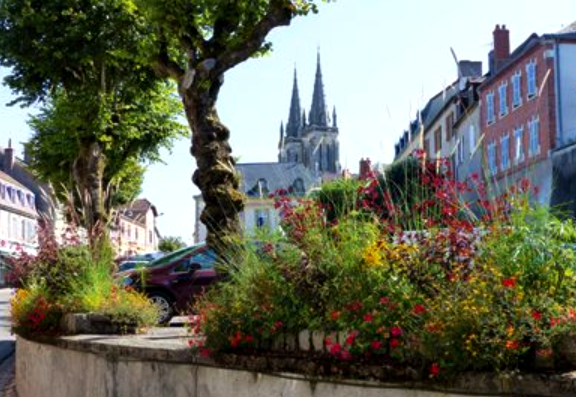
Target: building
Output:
[
  {"x": 447, "y": 126},
  {"x": 311, "y": 141},
  {"x": 527, "y": 114},
  {"x": 134, "y": 229},
  {"x": 18, "y": 217},
  {"x": 258, "y": 182}
]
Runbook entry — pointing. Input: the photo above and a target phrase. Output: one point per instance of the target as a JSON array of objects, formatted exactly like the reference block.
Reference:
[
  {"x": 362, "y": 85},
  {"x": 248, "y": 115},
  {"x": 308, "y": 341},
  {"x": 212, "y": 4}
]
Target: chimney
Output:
[
  {"x": 365, "y": 168},
  {"x": 8, "y": 163},
  {"x": 501, "y": 47}
]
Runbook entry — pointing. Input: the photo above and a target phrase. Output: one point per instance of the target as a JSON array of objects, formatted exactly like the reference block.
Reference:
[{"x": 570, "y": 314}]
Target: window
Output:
[
  {"x": 518, "y": 145},
  {"x": 492, "y": 158},
  {"x": 534, "y": 128},
  {"x": 505, "y": 144},
  {"x": 150, "y": 237},
  {"x": 490, "y": 116},
  {"x": 531, "y": 79},
  {"x": 503, "y": 102},
  {"x": 261, "y": 218},
  {"x": 516, "y": 90},
  {"x": 23, "y": 230},
  {"x": 136, "y": 233},
  {"x": 449, "y": 123},
  {"x": 437, "y": 141},
  {"x": 460, "y": 151},
  {"x": 472, "y": 138}
]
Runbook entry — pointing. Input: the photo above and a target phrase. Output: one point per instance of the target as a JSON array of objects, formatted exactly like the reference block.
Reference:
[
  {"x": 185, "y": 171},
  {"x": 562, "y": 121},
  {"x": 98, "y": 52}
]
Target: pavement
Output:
[{"x": 7, "y": 343}]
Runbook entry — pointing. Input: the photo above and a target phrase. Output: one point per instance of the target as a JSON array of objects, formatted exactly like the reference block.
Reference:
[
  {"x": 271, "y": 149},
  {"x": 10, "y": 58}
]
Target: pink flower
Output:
[
  {"x": 368, "y": 318},
  {"x": 396, "y": 331},
  {"x": 394, "y": 343}
]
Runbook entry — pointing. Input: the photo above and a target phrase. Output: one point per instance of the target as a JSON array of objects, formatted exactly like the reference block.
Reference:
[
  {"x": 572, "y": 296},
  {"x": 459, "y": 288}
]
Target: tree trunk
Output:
[
  {"x": 88, "y": 174},
  {"x": 215, "y": 175}
]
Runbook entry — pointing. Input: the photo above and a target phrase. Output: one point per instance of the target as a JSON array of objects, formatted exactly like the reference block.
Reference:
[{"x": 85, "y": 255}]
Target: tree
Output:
[
  {"x": 104, "y": 107},
  {"x": 63, "y": 132},
  {"x": 195, "y": 44},
  {"x": 170, "y": 243},
  {"x": 102, "y": 43}
]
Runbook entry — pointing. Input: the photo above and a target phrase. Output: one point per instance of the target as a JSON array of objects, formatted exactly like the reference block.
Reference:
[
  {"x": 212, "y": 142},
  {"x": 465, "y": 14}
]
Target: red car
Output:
[{"x": 175, "y": 280}]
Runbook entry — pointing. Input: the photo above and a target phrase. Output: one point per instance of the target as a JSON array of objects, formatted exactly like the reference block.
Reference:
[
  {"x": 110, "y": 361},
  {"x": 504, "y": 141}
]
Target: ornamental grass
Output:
[{"x": 405, "y": 271}]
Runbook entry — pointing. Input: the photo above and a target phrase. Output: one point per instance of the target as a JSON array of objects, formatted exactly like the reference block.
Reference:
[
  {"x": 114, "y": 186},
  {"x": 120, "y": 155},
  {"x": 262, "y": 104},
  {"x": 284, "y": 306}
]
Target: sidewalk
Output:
[
  {"x": 7, "y": 357},
  {"x": 7, "y": 378}
]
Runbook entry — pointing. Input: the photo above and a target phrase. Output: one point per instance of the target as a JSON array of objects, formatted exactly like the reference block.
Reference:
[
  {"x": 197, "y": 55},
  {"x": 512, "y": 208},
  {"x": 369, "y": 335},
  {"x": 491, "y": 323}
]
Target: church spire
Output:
[
  {"x": 334, "y": 118},
  {"x": 281, "y": 141},
  {"x": 318, "y": 114},
  {"x": 294, "y": 121}
]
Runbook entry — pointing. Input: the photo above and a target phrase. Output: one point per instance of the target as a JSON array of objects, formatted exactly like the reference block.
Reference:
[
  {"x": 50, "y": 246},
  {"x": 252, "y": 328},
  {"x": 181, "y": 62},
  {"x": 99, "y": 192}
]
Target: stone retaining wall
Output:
[{"x": 161, "y": 364}]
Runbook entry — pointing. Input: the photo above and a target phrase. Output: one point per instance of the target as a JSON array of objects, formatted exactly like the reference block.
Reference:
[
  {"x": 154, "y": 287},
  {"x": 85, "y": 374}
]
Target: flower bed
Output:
[
  {"x": 64, "y": 290},
  {"x": 476, "y": 286}
]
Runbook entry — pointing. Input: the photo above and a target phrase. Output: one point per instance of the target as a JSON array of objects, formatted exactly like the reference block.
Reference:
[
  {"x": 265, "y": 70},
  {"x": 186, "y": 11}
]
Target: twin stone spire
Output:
[
  {"x": 318, "y": 115},
  {"x": 313, "y": 140}
]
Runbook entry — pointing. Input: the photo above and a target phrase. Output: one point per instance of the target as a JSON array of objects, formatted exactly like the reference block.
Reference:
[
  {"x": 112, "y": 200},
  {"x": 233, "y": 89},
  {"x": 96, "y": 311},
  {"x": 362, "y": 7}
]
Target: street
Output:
[{"x": 7, "y": 388}]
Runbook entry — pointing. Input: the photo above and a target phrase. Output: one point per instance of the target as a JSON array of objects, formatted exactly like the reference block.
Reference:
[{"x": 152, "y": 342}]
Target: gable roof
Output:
[
  {"x": 276, "y": 175},
  {"x": 136, "y": 211},
  {"x": 7, "y": 178}
]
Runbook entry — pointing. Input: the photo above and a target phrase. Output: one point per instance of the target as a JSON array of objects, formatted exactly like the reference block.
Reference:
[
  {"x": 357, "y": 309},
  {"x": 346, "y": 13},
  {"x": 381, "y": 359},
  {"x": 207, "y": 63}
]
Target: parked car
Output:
[
  {"x": 130, "y": 265},
  {"x": 174, "y": 281}
]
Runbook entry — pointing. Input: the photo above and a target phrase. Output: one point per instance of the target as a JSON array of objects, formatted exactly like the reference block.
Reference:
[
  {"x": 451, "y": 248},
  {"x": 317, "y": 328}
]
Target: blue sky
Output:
[{"x": 381, "y": 60}]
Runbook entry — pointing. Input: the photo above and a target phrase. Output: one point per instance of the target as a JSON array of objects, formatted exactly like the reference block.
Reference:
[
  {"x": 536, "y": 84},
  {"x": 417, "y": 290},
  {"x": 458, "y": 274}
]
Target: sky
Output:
[{"x": 381, "y": 61}]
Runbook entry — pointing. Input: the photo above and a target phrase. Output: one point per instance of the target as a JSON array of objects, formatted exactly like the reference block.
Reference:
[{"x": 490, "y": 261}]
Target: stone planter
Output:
[
  {"x": 94, "y": 323},
  {"x": 565, "y": 351}
]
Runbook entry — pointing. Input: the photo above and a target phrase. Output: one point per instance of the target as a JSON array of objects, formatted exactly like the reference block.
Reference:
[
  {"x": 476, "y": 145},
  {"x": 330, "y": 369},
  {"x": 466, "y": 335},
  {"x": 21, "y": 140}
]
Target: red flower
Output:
[
  {"x": 384, "y": 300},
  {"x": 368, "y": 318},
  {"x": 335, "y": 348},
  {"x": 394, "y": 343},
  {"x": 396, "y": 331},
  {"x": 236, "y": 339},
  {"x": 204, "y": 352},
  {"x": 434, "y": 369},
  {"x": 327, "y": 341},
  {"x": 335, "y": 315},
  {"x": 355, "y": 306},
  {"x": 345, "y": 355},
  {"x": 536, "y": 315},
  {"x": 376, "y": 345},
  {"x": 512, "y": 344},
  {"x": 419, "y": 309},
  {"x": 351, "y": 337},
  {"x": 509, "y": 282},
  {"x": 248, "y": 339}
]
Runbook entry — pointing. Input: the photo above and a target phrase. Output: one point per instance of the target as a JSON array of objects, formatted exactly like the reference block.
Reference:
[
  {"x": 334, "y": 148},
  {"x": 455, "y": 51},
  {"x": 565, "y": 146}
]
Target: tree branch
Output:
[{"x": 280, "y": 13}]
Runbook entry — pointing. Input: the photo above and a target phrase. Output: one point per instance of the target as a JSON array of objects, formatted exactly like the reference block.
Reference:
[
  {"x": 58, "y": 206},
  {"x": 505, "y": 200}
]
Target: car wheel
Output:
[{"x": 163, "y": 305}]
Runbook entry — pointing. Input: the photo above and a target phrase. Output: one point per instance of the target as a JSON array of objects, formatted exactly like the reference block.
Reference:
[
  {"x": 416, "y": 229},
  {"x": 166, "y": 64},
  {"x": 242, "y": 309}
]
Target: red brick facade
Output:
[{"x": 542, "y": 105}]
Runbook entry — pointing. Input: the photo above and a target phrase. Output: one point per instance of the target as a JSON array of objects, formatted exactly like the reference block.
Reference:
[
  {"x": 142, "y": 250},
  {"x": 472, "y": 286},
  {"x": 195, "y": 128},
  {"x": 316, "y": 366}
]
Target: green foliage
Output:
[
  {"x": 171, "y": 244},
  {"x": 339, "y": 197},
  {"x": 482, "y": 294},
  {"x": 132, "y": 128},
  {"x": 67, "y": 279}
]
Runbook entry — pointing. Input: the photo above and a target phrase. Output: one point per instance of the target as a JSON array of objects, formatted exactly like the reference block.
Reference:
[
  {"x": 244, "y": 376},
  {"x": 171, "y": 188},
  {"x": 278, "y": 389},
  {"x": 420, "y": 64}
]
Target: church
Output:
[
  {"x": 308, "y": 153},
  {"x": 311, "y": 141}
]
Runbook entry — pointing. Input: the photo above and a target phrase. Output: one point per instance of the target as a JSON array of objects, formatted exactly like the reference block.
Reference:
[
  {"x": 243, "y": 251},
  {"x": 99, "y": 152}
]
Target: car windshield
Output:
[{"x": 171, "y": 257}]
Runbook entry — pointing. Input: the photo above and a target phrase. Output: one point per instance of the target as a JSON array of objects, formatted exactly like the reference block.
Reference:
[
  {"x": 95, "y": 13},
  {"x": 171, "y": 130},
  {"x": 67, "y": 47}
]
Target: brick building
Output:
[{"x": 526, "y": 109}]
